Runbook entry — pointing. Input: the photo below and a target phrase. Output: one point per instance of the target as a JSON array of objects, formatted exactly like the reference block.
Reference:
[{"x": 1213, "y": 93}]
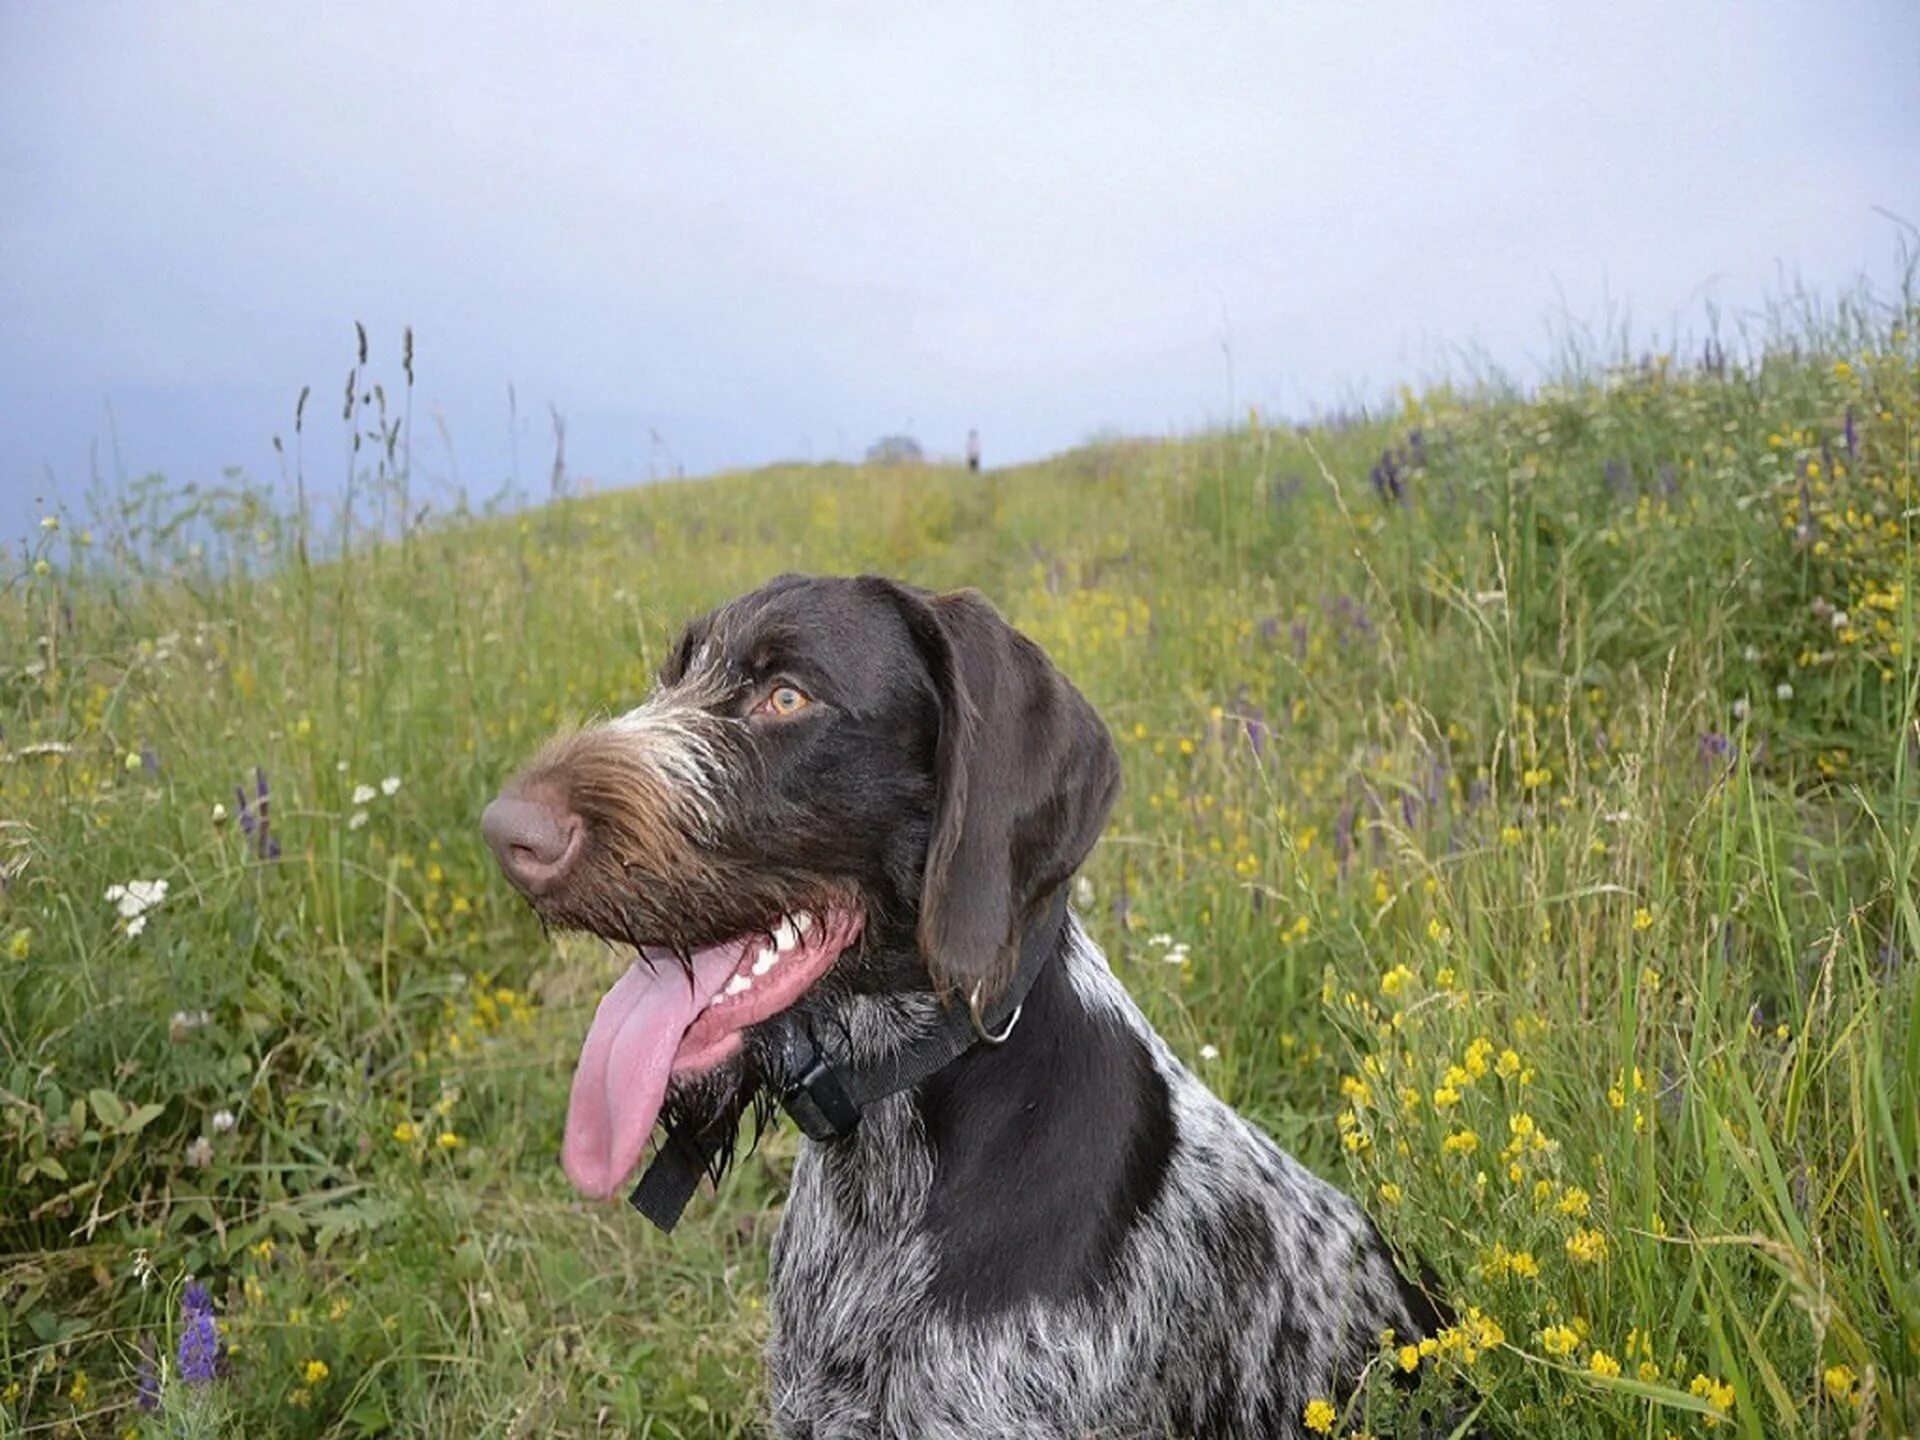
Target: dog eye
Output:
[{"x": 782, "y": 700}]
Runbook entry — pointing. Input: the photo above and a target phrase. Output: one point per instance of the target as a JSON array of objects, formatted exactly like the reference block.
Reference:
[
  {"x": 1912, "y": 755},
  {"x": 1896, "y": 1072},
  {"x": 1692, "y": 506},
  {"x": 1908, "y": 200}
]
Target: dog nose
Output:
[{"x": 535, "y": 841}]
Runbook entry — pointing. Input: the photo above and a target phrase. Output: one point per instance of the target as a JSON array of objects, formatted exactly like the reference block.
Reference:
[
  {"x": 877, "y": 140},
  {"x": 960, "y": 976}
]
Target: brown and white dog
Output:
[{"x": 848, "y": 813}]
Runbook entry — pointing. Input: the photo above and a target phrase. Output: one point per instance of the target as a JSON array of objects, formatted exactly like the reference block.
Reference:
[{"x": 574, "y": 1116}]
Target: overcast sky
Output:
[{"x": 717, "y": 235}]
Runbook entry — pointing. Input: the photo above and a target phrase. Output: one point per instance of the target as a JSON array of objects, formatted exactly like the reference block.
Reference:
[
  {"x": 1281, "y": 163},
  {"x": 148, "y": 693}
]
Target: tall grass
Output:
[{"x": 1520, "y": 824}]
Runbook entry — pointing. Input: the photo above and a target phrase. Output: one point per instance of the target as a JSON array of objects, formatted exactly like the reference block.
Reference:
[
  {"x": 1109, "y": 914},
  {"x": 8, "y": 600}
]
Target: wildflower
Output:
[
  {"x": 1783, "y": 692},
  {"x": 1841, "y": 1384},
  {"x": 134, "y": 899},
  {"x": 1601, "y": 1363},
  {"x": 1319, "y": 1416},
  {"x": 223, "y": 1121},
  {"x": 390, "y": 786},
  {"x": 315, "y": 1371},
  {"x": 1717, "y": 1393},
  {"x": 20, "y": 944},
  {"x": 1575, "y": 1203},
  {"x": 1534, "y": 779},
  {"x": 49, "y": 523},
  {"x": 448, "y": 1140},
  {"x": 1587, "y": 1246},
  {"x": 363, "y": 794},
  {"x": 199, "y": 1152},
  {"x": 1560, "y": 1340},
  {"x": 255, "y": 819},
  {"x": 199, "y": 1350},
  {"x": 1508, "y": 1065},
  {"x": 219, "y": 815},
  {"x": 1409, "y": 1357},
  {"x": 1643, "y": 919},
  {"x": 1395, "y": 980},
  {"x": 146, "y": 1379},
  {"x": 1510, "y": 835},
  {"x": 1438, "y": 932},
  {"x": 1390, "y": 1193},
  {"x": 405, "y": 1132},
  {"x": 1461, "y": 1142},
  {"x": 1209, "y": 1052},
  {"x": 358, "y": 819}
]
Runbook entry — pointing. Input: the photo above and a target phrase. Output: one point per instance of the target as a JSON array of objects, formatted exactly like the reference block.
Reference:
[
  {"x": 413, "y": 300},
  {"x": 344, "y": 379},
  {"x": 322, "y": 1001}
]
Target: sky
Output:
[{"x": 713, "y": 236}]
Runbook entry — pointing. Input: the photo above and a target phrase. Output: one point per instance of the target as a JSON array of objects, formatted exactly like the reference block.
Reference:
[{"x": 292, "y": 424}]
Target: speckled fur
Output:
[{"x": 1248, "y": 1288}]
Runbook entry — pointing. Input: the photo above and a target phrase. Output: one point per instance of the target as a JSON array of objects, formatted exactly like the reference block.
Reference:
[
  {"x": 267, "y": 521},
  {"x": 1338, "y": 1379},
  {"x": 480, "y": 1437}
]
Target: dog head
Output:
[{"x": 839, "y": 788}]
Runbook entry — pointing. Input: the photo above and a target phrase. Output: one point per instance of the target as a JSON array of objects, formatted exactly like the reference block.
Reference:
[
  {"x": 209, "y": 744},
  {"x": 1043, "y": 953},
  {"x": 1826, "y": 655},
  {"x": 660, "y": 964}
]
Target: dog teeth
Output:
[
  {"x": 738, "y": 985},
  {"x": 804, "y": 922},
  {"x": 764, "y": 962},
  {"x": 786, "y": 934}
]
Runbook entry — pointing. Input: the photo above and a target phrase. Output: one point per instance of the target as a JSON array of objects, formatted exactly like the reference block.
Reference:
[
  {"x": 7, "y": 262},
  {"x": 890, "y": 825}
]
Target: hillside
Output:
[{"x": 1520, "y": 823}]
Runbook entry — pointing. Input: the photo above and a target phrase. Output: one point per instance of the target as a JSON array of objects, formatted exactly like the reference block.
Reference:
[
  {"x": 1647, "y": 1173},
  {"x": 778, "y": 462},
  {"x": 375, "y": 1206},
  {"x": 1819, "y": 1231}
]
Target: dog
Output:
[{"x": 839, "y": 838}]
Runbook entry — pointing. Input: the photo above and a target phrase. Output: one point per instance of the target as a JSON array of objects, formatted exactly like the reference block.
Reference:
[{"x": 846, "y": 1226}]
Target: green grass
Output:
[{"x": 1543, "y": 848}]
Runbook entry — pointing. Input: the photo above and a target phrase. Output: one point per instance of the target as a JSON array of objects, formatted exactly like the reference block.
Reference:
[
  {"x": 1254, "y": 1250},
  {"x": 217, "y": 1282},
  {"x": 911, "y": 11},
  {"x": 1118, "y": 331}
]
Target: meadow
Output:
[{"x": 1521, "y": 823}]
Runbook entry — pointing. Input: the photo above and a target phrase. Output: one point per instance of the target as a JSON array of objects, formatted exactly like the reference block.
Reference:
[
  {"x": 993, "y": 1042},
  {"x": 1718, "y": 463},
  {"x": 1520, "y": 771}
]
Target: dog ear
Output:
[{"x": 1026, "y": 774}]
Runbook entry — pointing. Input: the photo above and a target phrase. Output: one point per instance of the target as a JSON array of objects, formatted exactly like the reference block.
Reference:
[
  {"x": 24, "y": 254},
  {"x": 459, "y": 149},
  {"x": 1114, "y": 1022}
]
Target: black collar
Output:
[{"x": 825, "y": 1100}]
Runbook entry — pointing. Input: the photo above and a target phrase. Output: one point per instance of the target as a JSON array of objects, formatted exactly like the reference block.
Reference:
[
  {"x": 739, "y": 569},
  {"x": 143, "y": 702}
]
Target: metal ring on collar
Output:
[{"x": 980, "y": 1024}]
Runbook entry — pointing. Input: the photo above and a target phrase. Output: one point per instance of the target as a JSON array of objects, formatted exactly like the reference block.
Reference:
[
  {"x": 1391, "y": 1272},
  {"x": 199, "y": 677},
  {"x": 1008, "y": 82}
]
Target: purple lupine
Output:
[
  {"x": 1417, "y": 447},
  {"x": 1409, "y": 809},
  {"x": 146, "y": 1378},
  {"x": 149, "y": 760},
  {"x": 1269, "y": 629},
  {"x": 1851, "y": 436},
  {"x": 1255, "y": 719},
  {"x": 1716, "y": 751},
  {"x": 254, "y": 817},
  {"x": 199, "y": 1353},
  {"x": 1387, "y": 483}
]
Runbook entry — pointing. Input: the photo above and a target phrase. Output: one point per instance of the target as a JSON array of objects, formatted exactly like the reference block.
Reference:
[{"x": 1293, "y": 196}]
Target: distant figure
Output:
[{"x": 973, "y": 451}]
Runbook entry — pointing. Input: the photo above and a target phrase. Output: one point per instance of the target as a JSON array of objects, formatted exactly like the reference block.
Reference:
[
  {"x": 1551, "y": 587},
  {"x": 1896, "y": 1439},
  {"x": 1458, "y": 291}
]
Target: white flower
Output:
[
  {"x": 1841, "y": 620},
  {"x": 341, "y": 766},
  {"x": 1742, "y": 708},
  {"x": 200, "y": 1152},
  {"x": 359, "y": 819},
  {"x": 1783, "y": 691},
  {"x": 1209, "y": 1052},
  {"x": 1177, "y": 955},
  {"x": 389, "y": 785},
  {"x": 1162, "y": 940},
  {"x": 223, "y": 1121},
  {"x": 134, "y": 899},
  {"x": 219, "y": 813},
  {"x": 363, "y": 794},
  {"x": 1751, "y": 654},
  {"x": 49, "y": 522}
]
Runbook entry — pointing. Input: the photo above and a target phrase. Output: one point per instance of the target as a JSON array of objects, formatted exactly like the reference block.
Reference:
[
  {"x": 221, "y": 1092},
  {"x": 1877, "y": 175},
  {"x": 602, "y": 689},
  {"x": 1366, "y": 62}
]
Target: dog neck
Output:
[{"x": 1024, "y": 1164}]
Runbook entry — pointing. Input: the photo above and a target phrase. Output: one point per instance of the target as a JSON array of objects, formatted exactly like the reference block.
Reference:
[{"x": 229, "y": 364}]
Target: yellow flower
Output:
[
  {"x": 1559, "y": 1340},
  {"x": 448, "y": 1140},
  {"x": 1395, "y": 981},
  {"x": 1409, "y": 1357},
  {"x": 1587, "y": 1246},
  {"x": 1643, "y": 919},
  {"x": 315, "y": 1372},
  {"x": 1717, "y": 1393},
  {"x": 337, "y": 1311},
  {"x": 1437, "y": 932},
  {"x": 1841, "y": 1384},
  {"x": 1390, "y": 1193},
  {"x": 1508, "y": 1065},
  {"x": 1461, "y": 1142},
  {"x": 264, "y": 1250},
  {"x": 1575, "y": 1203},
  {"x": 1510, "y": 835},
  {"x": 20, "y": 944},
  {"x": 78, "y": 1393},
  {"x": 1534, "y": 779},
  {"x": 405, "y": 1133},
  {"x": 1601, "y": 1363},
  {"x": 1319, "y": 1416}
]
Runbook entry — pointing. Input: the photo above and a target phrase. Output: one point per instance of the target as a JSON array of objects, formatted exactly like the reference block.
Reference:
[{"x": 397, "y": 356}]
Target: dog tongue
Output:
[{"x": 627, "y": 1060}]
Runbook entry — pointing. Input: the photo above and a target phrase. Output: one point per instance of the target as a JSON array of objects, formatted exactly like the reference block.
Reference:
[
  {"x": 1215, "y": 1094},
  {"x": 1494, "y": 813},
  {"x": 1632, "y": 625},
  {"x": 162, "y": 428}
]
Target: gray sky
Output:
[{"x": 780, "y": 231}]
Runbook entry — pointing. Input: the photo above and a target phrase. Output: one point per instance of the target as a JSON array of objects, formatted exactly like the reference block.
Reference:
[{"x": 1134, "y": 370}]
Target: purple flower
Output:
[
  {"x": 254, "y": 817},
  {"x": 1387, "y": 483},
  {"x": 1255, "y": 719},
  {"x": 146, "y": 1378},
  {"x": 1417, "y": 447},
  {"x": 199, "y": 1353},
  {"x": 1851, "y": 435},
  {"x": 1716, "y": 751},
  {"x": 149, "y": 761},
  {"x": 1343, "y": 837}
]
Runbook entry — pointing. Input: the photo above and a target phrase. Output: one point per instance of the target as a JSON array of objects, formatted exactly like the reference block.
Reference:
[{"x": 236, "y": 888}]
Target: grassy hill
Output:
[{"x": 1520, "y": 824}]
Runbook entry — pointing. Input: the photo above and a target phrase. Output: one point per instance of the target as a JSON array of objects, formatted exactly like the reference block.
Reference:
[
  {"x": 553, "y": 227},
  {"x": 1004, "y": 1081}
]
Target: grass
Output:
[{"x": 1520, "y": 824}]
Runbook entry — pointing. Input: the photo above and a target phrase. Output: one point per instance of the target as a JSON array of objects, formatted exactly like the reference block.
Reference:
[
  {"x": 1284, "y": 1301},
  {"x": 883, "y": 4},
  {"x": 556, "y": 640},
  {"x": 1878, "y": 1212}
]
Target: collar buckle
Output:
[{"x": 817, "y": 1100}]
